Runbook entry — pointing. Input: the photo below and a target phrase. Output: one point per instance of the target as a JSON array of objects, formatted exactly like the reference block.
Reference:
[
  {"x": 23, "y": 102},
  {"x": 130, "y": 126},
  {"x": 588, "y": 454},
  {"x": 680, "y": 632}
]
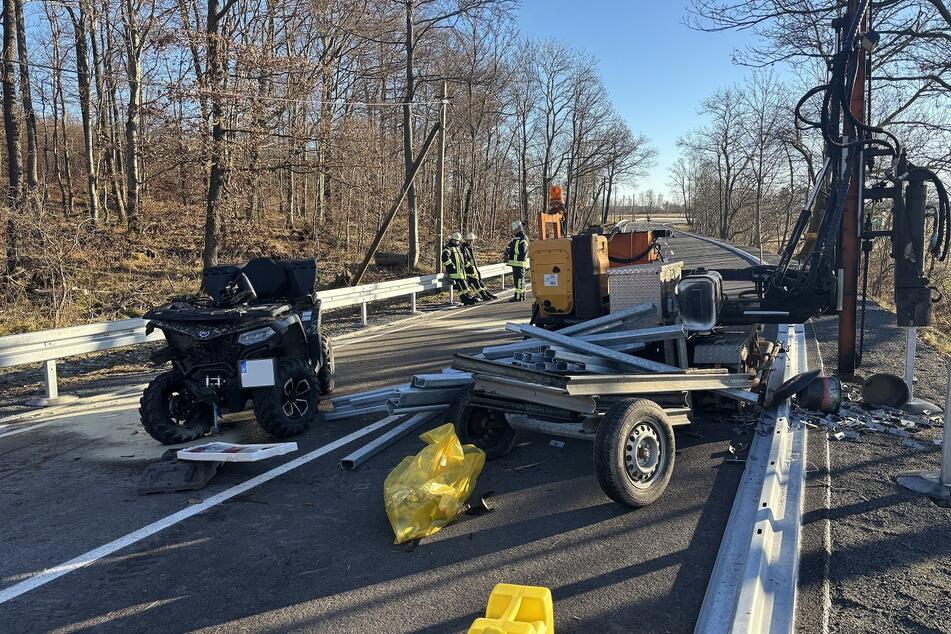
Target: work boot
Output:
[
  {"x": 468, "y": 300},
  {"x": 514, "y": 299},
  {"x": 487, "y": 296}
]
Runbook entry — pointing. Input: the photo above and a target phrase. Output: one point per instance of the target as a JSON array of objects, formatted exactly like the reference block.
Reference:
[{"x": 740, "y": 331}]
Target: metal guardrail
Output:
[
  {"x": 754, "y": 584},
  {"x": 47, "y": 346}
]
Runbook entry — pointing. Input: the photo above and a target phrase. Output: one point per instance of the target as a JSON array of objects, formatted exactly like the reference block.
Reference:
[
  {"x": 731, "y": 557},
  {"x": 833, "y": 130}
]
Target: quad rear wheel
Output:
[
  {"x": 289, "y": 406},
  {"x": 326, "y": 374},
  {"x": 170, "y": 413}
]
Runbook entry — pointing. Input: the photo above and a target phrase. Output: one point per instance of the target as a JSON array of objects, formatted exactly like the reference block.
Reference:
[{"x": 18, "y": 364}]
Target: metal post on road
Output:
[
  {"x": 441, "y": 173},
  {"x": 412, "y": 303},
  {"x": 935, "y": 484},
  {"x": 911, "y": 347},
  {"x": 852, "y": 212},
  {"x": 363, "y": 313}
]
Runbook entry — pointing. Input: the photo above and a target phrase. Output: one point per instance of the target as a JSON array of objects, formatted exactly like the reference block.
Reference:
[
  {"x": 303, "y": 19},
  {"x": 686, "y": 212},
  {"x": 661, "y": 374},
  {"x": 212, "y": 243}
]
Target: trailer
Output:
[{"x": 630, "y": 417}]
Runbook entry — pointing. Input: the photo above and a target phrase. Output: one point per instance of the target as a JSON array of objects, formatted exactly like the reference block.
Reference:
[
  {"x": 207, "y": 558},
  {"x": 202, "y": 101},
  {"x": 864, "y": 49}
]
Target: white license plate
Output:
[{"x": 256, "y": 372}]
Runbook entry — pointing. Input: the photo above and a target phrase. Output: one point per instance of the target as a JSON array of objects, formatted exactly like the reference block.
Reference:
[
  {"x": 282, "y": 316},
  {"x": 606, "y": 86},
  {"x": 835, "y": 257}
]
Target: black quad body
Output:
[{"x": 255, "y": 337}]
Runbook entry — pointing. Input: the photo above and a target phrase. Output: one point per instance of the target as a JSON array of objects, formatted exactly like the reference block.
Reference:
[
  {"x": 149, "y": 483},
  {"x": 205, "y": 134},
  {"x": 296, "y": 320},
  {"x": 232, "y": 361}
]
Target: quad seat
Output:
[{"x": 273, "y": 280}]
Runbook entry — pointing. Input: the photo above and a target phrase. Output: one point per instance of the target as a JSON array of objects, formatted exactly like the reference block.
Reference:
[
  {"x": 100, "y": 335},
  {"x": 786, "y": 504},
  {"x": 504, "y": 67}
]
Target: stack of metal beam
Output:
[
  {"x": 425, "y": 393},
  {"x": 575, "y": 374},
  {"x": 409, "y": 405}
]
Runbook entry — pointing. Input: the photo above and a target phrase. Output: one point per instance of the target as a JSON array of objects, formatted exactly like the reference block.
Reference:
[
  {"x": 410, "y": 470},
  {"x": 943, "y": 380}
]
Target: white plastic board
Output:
[{"x": 230, "y": 452}]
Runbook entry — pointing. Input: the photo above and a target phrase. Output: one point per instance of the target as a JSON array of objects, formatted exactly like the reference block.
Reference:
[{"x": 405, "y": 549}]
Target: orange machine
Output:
[
  {"x": 632, "y": 244},
  {"x": 569, "y": 274}
]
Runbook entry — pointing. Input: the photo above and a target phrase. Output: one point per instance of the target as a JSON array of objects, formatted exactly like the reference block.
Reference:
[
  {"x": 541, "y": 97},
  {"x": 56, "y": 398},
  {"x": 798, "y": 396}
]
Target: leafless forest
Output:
[
  {"x": 147, "y": 137},
  {"x": 745, "y": 173}
]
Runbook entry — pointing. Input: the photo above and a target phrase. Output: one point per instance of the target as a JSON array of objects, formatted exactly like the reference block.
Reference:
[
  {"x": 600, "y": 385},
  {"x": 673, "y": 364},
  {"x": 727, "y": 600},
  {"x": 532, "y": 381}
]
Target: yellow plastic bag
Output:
[{"x": 424, "y": 492}]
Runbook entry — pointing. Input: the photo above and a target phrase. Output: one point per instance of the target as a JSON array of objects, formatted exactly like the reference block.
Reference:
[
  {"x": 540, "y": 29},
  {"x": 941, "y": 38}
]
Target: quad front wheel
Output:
[
  {"x": 290, "y": 405},
  {"x": 634, "y": 452}
]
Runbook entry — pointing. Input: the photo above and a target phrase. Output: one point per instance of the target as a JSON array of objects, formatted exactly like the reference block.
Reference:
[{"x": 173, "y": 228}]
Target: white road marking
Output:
[
  {"x": 22, "y": 428},
  {"x": 827, "y": 525},
  {"x": 827, "y": 546},
  {"x": 44, "y": 577}
]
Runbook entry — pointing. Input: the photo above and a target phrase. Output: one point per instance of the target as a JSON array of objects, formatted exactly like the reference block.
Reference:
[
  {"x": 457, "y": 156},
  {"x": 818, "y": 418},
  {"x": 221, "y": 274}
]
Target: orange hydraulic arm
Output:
[{"x": 549, "y": 223}]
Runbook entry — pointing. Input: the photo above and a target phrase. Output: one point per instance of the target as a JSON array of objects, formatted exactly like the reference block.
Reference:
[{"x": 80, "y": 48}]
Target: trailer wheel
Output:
[
  {"x": 634, "y": 452},
  {"x": 486, "y": 429}
]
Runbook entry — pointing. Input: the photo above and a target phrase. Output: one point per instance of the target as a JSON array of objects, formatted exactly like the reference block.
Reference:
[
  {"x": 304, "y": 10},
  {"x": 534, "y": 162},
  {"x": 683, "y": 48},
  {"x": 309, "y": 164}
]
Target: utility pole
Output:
[
  {"x": 441, "y": 174},
  {"x": 853, "y": 210},
  {"x": 412, "y": 219},
  {"x": 388, "y": 218}
]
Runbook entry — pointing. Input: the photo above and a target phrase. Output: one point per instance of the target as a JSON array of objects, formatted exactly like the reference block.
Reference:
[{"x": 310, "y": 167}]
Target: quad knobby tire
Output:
[
  {"x": 170, "y": 413},
  {"x": 634, "y": 452},
  {"x": 290, "y": 405},
  {"x": 326, "y": 376},
  {"x": 486, "y": 429}
]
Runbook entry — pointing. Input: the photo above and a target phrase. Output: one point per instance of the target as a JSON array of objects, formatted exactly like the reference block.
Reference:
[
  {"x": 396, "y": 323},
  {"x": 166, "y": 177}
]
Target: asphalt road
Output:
[{"x": 311, "y": 549}]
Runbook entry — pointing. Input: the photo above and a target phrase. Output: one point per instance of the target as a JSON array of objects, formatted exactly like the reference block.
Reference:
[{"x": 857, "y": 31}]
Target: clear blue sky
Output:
[{"x": 656, "y": 69}]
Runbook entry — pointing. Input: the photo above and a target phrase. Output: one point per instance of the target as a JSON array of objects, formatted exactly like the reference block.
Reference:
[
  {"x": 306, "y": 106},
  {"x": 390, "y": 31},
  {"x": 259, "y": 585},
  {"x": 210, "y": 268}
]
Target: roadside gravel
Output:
[{"x": 885, "y": 552}]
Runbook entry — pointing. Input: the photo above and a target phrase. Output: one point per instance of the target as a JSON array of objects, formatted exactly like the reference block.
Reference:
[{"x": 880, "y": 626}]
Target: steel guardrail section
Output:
[
  {"x": 753, "y": 587},
  {"x": 58, "y": 343}
]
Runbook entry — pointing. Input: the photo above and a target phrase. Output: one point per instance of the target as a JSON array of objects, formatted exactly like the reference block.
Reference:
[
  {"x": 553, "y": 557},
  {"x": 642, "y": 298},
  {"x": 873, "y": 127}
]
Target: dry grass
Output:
[{"x": 73, "y": 272}]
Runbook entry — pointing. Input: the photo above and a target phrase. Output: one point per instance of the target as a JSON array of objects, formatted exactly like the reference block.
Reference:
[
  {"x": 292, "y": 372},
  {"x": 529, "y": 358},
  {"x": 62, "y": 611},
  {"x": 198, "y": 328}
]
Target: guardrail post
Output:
[
  {"x": 451, "y": 290},
  {"x": 502, "y": 277},
  {"x": 51, "y": 395},
  {"x": 49, "y": 379},
  {"x": 412, "y": 303},
  {"x": 363, "y": 313}
]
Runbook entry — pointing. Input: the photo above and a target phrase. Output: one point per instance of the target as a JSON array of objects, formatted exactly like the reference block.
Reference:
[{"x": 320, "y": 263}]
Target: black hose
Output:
[{"x": 639, "y": 256}]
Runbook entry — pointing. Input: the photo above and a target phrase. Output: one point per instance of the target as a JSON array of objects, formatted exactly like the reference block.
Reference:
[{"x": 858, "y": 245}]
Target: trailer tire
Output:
[
  {"x": 170, "y": 413},
  {"x": 634, "y": 452},
  {"x": 486, "y": 429},
  {"x": 326, "y": 376},
  {"x": 290, "y": 405}
]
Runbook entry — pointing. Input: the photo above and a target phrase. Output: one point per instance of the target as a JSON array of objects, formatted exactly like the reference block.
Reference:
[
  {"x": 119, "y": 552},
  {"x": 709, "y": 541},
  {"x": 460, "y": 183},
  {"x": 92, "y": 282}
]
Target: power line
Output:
[{"x": 203, "y": 92}]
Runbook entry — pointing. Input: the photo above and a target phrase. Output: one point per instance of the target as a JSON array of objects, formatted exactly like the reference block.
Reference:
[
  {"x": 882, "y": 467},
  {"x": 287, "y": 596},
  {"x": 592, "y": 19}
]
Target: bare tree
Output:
[
  {"x": 11, "y": 129},
  {"x": 26, "y": 97},
  {"x": 138, "y": 17},
  {"x": 82, "y": 19}
]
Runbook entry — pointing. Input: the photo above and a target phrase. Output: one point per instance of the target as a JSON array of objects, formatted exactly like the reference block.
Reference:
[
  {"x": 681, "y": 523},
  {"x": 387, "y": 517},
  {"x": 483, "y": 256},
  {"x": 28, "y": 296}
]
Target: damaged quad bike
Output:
[{"x": 256, "y": 336}]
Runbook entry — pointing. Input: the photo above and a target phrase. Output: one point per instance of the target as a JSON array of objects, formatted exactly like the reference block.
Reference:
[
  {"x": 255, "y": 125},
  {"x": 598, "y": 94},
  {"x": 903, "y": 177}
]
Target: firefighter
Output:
[
  {"x": 473, "y": 276},
  {"x": 516, "y": 256},
  {"x": 454, "y": 265}
]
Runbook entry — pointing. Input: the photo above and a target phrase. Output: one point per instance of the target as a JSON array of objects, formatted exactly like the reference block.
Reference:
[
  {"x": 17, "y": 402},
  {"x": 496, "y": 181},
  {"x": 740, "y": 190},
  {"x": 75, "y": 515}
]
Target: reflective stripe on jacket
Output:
[
  {"x": 517, "y": 252},
  {"x": 452, "y": 262},
  {"x": 469, "y": 260}
]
